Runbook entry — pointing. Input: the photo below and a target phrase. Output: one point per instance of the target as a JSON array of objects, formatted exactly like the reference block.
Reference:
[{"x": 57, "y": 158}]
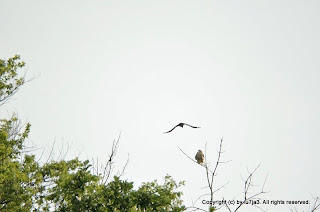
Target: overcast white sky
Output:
[{"x": 245, "y": 70}]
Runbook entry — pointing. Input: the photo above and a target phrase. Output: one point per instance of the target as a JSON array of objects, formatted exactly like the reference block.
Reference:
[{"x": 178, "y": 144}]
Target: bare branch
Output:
[
  {"x": 107, "y": 169},
  {"x": 195, "y": 209},
  {"x": 214, "y": 173},
  {"x": 218, "y": 161},
  {"x": 226, "y": 205},
  {"x": 192, "y": 159},
  {"x": 189, "y": 156},
  {"x": 207, "y": 172},
  {"x": 51, "y": 151},
  {"x": 124, "y": 167},
  {"x": 316, "y": 205},
  {"x": 223, "y": 186},
  {"x": 247, "y": 185}
]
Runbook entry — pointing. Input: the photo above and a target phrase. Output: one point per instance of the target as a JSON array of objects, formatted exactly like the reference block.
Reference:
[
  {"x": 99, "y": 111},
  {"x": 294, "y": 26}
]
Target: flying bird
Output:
[
  {"x": 181, "y": 125},
  {"x": 199, "y": 157}
]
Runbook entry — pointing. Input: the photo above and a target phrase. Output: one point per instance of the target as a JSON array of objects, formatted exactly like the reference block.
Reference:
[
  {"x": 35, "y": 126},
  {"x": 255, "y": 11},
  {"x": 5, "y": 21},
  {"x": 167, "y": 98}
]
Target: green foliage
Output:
[
  {"x": 117, "y": 195},
  {"x": 26, "y": 185},
  {"x": 212, "y": 209},
  {"x": 10, "y": 82},
  {"x": 17, "y": 175},
  {"x": 78, "y": 190},
  {"x": 154, "y": 197},
  {"x": 67, "y": 185}
]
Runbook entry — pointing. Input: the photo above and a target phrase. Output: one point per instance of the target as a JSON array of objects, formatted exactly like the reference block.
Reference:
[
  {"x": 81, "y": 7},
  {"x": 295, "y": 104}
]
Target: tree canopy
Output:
[{"x": 10, "y": 81}]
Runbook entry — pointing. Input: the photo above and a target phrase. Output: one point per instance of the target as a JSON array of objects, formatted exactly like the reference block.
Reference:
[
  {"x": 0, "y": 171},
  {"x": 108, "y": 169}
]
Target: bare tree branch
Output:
[
  {"x": 195, "y": 209},
  {"x": 215, "y": 170},
  {"x": 316, "y": 205},
  {"x": 124, "y": 167},
  {"x": 107, "y": 170},
  {"x": 193, "y": 160},
  {"x": 51, "y": 151},
  {"x": 189, "y": 156},
  {"x": 247, "y": 185}
]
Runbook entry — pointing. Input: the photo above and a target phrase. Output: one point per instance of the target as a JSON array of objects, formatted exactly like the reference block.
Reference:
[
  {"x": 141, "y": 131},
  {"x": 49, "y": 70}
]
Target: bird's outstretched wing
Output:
[
  {"x": 191, "y": 126},
  {"x": 172, "y": 129},
  {"x": 181, "y": 125}
]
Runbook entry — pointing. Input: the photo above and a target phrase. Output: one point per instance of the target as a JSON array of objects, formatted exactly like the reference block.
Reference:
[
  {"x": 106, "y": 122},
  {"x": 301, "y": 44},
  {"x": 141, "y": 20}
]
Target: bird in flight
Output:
[
  {"x": 181, "y": 125},
  {"x": 199, "y": 157}
]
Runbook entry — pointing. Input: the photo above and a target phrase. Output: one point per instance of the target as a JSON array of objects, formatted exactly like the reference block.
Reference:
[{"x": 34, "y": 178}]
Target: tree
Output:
[
  {"x": 10, "y": 81},
  {"x": 18, "y": 178},
  {"x": 61, "y": 185}
]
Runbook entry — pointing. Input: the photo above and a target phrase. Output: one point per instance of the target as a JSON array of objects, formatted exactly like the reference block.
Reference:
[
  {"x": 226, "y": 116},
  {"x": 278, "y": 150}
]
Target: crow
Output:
[{"x": 181, "y": 125}]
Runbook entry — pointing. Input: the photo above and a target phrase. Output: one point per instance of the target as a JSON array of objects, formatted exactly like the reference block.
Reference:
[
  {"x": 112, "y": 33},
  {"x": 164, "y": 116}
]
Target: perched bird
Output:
[
  {"x": 181, "y": 125},
  {"x": 199, "y": 157}
]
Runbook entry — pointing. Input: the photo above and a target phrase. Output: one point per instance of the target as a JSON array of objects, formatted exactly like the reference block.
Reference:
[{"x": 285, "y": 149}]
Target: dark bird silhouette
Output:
[{"x": 181, "y": 125}]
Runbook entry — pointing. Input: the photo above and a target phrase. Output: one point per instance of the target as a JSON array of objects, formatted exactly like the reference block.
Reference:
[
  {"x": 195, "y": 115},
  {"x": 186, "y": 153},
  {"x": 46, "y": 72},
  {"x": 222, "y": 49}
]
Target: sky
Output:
[{"x": 247, "y": 71}]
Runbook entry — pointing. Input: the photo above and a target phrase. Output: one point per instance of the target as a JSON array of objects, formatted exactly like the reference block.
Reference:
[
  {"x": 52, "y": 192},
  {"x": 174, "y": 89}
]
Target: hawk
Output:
[
  {"x": 199, "y": 157},
  {"x": 181, "y": 125}
]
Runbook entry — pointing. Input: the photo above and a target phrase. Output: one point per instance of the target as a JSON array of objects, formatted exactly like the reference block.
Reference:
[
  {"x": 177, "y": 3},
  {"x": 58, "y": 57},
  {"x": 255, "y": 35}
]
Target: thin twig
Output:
[
  {"x": 316, "y": 205},
  {"x": 124, "y": 167}
]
